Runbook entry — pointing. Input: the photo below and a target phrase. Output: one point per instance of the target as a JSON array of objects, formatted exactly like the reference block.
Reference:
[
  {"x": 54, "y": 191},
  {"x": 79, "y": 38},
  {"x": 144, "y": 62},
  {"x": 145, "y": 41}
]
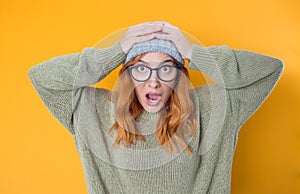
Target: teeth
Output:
[
  {"x": 153, "y": 96},
  {"x": 154, "y": 101}
]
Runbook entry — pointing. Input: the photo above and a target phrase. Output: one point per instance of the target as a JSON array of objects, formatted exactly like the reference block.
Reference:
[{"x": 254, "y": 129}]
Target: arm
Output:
[
  {"x": 247, "y": 77},
  {"x": 59, "y": 81}
]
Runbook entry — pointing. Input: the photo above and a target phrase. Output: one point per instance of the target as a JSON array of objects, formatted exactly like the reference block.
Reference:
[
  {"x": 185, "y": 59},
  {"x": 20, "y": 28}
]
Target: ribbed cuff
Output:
[
  {"x": 202, "y": 60},
  {"x": 96, "y": 64},
  {"x": 108, "y": 58}
]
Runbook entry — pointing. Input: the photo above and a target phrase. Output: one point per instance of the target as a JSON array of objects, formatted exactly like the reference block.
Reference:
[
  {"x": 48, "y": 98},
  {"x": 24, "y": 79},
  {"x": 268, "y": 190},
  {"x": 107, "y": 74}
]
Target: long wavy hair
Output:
[{"x": 170, "y": 126}]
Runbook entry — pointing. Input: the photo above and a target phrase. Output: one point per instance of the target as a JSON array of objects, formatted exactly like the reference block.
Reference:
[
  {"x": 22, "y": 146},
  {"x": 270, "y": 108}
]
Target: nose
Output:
[{"x": 153, "y": 81}]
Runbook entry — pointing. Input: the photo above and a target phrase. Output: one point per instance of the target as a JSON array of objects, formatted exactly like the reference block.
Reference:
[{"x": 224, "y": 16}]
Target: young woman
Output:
[{"x": 154, "y": 133}]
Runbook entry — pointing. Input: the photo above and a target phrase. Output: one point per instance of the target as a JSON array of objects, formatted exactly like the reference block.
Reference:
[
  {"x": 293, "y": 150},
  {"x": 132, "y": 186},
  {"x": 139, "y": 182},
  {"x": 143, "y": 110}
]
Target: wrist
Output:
[{"x": 188, "y": 54}]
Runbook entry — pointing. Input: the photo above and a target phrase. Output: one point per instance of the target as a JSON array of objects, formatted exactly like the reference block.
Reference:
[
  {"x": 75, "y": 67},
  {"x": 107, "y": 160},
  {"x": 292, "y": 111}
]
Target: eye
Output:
[
  {"x": 165, "y": 69},
  {"x": 141, "y": 68}
]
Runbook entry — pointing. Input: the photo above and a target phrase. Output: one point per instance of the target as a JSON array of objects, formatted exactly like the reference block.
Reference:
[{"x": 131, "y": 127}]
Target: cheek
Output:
[
  {"x": 169, "y": 86},
  {"x": 167, "y": 90},
  {"x": 139, "y": 90}
]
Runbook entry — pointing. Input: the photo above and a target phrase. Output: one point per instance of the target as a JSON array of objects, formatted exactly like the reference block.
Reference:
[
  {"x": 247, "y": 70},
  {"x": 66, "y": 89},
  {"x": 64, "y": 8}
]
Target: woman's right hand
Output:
[{"x": 139, "y": 33}]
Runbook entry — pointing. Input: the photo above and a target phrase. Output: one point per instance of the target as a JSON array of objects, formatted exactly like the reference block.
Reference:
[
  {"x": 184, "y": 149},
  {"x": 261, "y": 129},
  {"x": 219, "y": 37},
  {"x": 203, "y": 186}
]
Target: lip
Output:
[{"x": 154, "y": 102}]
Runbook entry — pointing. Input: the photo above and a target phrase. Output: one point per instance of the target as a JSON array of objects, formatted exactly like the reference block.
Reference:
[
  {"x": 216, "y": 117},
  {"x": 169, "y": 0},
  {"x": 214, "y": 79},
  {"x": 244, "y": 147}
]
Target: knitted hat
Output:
[{"x": 154, "y": 45}]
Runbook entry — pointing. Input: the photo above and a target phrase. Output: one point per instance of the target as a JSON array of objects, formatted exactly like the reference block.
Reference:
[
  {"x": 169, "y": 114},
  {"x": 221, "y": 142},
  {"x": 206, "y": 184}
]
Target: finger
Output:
[
  {"x": 161, "y": 22},
  {"x": 183, "y": 47},
  {"x": 170, "y": 30},
  {"x": 145, "y": 38},
  {"x": 166, "y": 24},
  {"x": 171, "y": 37},
  {"x": 135, "y": 40},
  {"x": 162, "y": 36},
  {"x": 145, "y": 29}
]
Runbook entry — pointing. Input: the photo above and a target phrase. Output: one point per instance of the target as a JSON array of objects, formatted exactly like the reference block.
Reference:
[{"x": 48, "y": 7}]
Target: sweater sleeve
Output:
[
  {"x": 61, "y": 80},
  {"x": 247, "y": 77}
]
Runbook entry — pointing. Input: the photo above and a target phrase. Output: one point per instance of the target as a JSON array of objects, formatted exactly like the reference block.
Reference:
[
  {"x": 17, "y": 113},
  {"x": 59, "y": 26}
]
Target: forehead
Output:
[{"x": 155, "y": 57}]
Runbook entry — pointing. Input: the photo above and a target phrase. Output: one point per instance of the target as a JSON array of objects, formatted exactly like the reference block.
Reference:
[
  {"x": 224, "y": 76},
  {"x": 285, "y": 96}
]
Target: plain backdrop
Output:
[{"x": 38, "y": 155}]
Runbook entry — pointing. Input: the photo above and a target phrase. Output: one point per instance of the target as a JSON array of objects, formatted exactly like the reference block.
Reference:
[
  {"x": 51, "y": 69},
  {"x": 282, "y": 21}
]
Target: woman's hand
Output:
[
  {"x": 160, "y": 30},
  {"x": 139, "y": 33},
  {"x": 172, "y": 33}
]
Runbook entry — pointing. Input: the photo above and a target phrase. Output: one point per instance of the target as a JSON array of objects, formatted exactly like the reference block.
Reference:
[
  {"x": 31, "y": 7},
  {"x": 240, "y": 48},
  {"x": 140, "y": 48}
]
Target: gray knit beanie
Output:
[{"x": 154, "y": 45}]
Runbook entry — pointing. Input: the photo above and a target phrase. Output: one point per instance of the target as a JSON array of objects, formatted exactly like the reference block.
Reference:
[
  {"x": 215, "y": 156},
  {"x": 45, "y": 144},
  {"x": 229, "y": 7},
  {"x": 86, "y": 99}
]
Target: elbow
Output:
[
  {"x": 279, "y": 65},
  {"x": 31, "y": 73}
]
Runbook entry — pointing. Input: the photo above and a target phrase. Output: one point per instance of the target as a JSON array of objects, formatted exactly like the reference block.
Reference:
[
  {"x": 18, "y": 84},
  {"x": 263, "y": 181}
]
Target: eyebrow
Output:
[{"x": 165, "y": 61}]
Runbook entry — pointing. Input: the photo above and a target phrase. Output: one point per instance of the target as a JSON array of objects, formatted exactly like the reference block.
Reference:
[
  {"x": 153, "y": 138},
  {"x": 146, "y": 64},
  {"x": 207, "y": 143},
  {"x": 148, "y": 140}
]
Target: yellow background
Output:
[{"x": 38, "y": 155}]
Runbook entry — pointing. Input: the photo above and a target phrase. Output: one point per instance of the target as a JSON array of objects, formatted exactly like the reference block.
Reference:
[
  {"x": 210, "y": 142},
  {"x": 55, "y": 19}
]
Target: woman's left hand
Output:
[{"x": 172, "y": 33}]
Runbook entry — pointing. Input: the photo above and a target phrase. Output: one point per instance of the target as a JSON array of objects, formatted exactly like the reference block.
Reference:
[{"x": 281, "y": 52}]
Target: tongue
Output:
[{"x": 153, "y": 96}]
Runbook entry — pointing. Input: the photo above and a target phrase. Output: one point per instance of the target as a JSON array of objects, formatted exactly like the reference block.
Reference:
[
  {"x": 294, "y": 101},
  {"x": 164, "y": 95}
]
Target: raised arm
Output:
[
  {"x": 60, "y": 80},
  {"x": 248, "y": 77}
]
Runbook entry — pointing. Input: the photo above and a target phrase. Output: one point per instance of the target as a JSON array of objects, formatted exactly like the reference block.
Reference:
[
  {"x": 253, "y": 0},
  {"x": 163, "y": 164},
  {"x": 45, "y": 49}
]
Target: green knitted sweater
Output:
[{"x": 243, "y": 80}]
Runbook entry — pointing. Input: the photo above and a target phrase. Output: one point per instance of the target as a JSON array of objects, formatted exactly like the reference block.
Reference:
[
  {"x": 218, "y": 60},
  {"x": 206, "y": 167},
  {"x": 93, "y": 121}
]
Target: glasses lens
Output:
[
  {"x": 167, "y": 73},
  {"x": 140, "y": 72}
]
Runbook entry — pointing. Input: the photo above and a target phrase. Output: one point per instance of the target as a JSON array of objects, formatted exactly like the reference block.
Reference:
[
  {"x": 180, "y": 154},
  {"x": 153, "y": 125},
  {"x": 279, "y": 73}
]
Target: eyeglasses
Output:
[{"x": 165, "y": 73}]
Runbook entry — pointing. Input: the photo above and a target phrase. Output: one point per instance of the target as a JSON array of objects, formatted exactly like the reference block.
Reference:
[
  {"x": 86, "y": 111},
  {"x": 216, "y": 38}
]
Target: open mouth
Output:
[{"x": 153, "y": 99}]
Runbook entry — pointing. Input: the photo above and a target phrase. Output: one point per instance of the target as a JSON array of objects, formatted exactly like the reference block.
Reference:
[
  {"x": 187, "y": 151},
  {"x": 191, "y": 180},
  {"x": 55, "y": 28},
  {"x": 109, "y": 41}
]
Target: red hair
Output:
[{"x": 180, "y": 112}]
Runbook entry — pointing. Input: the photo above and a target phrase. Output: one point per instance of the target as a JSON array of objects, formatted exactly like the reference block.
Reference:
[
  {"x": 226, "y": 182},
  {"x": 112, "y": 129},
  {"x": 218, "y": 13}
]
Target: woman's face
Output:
[{"x": 154, "y": 93}]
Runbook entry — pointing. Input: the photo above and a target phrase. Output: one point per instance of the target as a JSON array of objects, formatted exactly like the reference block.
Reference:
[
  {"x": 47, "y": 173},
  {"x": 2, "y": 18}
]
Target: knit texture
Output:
[
  {"x": 154, "y": 45},
  {"x": 243, "y": 80}
]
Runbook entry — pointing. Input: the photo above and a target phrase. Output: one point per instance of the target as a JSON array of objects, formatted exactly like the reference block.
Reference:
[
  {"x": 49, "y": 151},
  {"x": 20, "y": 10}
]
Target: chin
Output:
[{"x": 153, "y": 109}]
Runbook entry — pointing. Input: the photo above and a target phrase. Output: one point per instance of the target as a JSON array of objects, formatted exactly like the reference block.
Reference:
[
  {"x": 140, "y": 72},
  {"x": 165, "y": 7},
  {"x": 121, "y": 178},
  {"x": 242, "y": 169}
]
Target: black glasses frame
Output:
[{"x": 153, "y": 69}]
